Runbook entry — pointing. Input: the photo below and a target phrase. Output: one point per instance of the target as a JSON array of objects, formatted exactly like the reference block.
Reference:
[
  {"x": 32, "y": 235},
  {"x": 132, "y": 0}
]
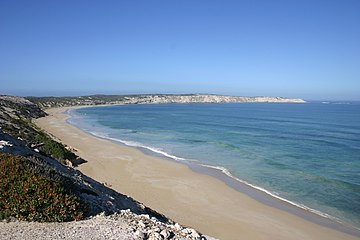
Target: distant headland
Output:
[{"x": 48, "y": 102}]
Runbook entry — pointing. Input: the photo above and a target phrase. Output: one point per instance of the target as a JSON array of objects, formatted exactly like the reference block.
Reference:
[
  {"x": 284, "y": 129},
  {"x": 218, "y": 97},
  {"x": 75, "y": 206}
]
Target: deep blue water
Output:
[{"x": 308, "y": 153}]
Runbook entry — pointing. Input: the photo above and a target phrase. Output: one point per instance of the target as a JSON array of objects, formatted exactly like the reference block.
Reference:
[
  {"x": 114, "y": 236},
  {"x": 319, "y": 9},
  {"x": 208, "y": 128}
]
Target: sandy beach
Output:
[{"x": 190, "y": 198}]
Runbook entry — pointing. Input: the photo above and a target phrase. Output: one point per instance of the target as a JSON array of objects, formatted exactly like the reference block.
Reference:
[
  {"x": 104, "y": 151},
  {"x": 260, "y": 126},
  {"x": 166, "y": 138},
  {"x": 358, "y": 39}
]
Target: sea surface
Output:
[{"x": 306, "y": 154}]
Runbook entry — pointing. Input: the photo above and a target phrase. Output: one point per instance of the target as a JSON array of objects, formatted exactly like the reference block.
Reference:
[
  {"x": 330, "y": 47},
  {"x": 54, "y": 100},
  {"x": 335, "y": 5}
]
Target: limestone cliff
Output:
[{"x": 47, "y": 102}]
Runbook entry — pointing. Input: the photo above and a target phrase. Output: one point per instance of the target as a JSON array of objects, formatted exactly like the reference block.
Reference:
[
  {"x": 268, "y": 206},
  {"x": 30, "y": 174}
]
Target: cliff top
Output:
[{"x": 49, "y": 102}]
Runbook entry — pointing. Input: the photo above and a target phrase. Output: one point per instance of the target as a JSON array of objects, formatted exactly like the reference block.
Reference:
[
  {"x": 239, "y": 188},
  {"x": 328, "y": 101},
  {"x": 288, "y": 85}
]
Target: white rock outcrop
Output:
[{"x": 204, "y": 98}]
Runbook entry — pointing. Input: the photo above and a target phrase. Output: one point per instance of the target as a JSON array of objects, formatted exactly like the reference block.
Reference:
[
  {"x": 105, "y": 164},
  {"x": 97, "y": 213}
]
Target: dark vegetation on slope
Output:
[
  {"x": 26, "y": 195},
  {"x": 53, "y": 148}
]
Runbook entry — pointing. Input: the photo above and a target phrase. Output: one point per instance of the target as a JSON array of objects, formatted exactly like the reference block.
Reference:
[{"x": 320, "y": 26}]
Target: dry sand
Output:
[{"x": 192, "y": 199}]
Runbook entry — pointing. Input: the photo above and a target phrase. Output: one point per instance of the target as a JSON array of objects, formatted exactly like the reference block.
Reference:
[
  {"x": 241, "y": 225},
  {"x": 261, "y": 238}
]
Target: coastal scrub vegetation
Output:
[
  {"x": 15, "y": 120},
  {"x": 53, "y": 148},
  {"x": 25, "y": 195}
]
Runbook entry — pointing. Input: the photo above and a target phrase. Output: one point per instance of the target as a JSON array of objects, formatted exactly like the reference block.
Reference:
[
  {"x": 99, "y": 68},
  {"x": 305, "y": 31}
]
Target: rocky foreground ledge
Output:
[{"x": 123, "y": 225}]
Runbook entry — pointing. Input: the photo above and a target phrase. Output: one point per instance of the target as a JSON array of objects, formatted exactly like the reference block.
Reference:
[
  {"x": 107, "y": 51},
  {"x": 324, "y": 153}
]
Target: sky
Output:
[{"x": 306, "y": 48}]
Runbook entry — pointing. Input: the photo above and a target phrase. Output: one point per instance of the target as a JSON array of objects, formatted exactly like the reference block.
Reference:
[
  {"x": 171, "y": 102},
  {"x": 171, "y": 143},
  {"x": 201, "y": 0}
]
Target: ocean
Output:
[{"x": 304, "y": 154}]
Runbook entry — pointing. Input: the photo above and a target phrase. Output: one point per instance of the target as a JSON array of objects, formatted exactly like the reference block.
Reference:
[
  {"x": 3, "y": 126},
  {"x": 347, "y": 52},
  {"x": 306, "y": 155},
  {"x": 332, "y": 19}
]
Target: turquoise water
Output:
[{"x": 308, "y": 154}]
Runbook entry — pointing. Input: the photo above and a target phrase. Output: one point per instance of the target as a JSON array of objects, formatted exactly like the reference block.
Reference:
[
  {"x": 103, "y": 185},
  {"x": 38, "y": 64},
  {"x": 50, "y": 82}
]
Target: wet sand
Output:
[{"x": 191, "y": 198}]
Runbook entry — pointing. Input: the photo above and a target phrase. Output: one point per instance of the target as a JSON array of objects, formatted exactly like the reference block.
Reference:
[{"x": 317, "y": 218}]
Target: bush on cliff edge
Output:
[{"x": 28, "y": 196}]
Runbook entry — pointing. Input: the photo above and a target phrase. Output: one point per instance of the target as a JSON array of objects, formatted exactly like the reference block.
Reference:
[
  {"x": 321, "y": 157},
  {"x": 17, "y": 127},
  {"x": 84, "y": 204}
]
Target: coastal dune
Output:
[{"x": 190, "y": 198}]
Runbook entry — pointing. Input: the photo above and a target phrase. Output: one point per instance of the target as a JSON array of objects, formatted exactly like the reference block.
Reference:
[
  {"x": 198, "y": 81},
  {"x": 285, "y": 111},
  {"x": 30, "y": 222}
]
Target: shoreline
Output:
[
  {"x": 235, "y": 211},
  {"x": 257, "y": 193}
]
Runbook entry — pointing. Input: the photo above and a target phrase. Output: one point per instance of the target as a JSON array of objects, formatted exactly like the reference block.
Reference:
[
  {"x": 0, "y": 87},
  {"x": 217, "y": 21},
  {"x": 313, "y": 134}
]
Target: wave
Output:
[
  {"x": 274, "y": 195},
  {"x": 342, "y": 103},
  {"x": 219, "y": 168},
  {"x": 338, "y": 103},
  {"x": 139, "y": 145}
]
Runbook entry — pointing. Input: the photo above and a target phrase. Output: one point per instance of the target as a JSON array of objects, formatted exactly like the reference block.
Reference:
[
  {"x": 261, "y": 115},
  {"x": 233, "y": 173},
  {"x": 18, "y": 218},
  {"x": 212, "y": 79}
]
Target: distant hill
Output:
[{"x": 49, "y": 102}]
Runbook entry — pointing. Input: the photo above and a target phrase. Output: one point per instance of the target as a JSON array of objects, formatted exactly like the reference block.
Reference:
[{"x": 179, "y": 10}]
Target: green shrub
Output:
[
  {"x": 53, "y": 148},
  {"x": 28, "y": 196}
]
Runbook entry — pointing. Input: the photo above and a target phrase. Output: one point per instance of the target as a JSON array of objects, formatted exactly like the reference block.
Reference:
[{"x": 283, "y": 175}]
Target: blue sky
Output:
[{"x": 305, "y": 48}]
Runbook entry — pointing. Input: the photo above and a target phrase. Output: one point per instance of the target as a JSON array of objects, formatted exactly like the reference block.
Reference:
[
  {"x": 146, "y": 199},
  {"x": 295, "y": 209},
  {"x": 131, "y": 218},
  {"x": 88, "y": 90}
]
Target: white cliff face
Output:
[
  {"x": 204, "y": 98},
  {"x": 48, "y": 102}
]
